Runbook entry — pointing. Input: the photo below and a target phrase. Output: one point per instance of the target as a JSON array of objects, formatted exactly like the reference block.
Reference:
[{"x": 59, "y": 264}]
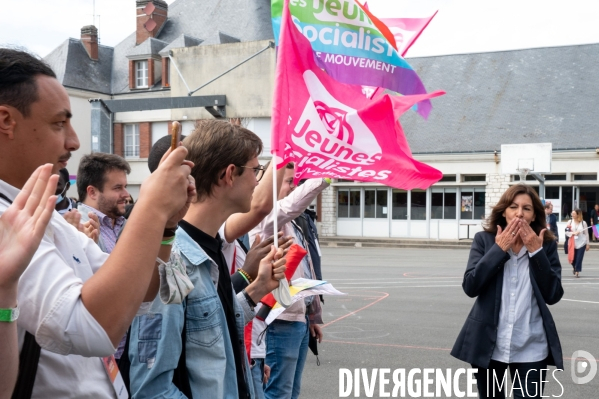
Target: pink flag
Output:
[
  {"x": 405, "y": 31},
  {"x": 331, "y": 130}
]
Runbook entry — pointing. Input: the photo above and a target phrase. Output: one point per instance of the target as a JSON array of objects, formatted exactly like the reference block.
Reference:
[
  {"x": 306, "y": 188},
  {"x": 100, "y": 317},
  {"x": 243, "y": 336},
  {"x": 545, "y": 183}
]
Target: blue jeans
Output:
[
  {"x": 286, "y": 350},
  {"x": 258, "y": 376},
  {"x": 578, "y": 256}
]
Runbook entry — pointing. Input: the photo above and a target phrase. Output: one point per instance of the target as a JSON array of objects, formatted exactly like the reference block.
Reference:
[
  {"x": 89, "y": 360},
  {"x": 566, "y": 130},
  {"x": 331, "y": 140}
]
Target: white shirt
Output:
[
  {"x": 521, "y": 336},
  {"x": 49, "y": 295},
  {"x": 582, "y": 239}
]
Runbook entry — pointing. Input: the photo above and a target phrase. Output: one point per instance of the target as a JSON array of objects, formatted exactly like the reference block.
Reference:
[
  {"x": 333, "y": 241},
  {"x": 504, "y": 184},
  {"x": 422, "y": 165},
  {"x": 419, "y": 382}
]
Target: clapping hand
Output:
[
  {"x": 23, "y": 224},
  {"x": 91, "y": 228}
]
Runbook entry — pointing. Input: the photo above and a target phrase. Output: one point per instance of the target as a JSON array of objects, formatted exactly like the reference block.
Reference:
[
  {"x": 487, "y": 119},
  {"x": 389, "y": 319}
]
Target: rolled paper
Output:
[{"x": 175, "y": 135}]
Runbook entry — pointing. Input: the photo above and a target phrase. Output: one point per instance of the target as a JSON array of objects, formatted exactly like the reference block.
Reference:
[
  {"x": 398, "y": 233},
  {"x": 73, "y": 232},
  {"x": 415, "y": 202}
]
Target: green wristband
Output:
[
  {"x": 170, "y": 241},
  {"x": 9, "y": 315}
]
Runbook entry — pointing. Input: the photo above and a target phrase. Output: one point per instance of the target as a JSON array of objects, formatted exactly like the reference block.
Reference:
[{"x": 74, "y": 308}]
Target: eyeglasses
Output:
[{"x": 258, "y": 170}]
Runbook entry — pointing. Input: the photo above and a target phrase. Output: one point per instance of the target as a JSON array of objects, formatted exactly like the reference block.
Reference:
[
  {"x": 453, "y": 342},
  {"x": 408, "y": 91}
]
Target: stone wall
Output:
[
  {"x": 496, "y": 186},
  {"x": 328, "y": 225}
]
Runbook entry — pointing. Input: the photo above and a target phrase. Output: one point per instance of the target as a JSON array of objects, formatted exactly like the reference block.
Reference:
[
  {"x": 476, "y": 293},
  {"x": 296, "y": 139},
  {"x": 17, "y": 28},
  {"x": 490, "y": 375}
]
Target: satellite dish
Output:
[
  {"x": 149, "y": 8},
  {"x": 150, "y": 25}
]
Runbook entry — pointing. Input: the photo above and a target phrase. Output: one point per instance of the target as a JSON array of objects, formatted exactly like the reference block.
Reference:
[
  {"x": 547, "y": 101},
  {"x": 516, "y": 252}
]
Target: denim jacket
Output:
[{"x": 155, "y": 345}]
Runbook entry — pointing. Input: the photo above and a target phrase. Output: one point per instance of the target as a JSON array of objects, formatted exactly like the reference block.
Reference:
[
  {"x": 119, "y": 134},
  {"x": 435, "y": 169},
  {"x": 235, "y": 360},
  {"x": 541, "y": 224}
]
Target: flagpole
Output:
[{"x": 275, "y": 195}]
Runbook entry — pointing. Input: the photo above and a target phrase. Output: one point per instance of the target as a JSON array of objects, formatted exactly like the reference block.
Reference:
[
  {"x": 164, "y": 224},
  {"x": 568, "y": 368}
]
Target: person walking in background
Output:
[
  {"x": 594, "y": 220},
  {"x": 514, "y": 272},
  {"x": 579, "y": 232},
  {"x": 551, "y": 220}
]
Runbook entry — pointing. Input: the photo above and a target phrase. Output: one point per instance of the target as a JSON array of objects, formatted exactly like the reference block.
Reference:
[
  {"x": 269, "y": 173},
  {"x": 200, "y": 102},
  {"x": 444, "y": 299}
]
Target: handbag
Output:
[{"x": 567, "y": 239}]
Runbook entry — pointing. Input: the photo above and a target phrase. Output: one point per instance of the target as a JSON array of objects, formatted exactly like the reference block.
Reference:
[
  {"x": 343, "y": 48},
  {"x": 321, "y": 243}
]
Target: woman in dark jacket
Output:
[{"x": 514, "y": 272}]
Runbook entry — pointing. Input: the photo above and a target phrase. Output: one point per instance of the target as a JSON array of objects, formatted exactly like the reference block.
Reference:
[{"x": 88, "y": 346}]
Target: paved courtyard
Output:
[{"x": 405, "y": 307}]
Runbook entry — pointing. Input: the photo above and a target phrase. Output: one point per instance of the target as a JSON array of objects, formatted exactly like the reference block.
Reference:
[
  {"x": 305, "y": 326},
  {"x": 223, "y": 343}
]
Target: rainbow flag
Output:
[
  {"x": 352, "y": 45},
  {"x": 596, "y": 230}
]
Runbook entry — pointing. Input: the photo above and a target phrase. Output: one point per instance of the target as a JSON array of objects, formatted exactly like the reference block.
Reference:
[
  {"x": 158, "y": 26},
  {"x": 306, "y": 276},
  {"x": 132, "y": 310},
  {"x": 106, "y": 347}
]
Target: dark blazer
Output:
[{"x": 484, "y": 279}]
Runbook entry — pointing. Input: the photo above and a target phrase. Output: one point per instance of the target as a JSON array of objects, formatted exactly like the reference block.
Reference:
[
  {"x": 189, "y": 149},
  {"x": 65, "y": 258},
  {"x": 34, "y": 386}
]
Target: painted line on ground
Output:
[
  {"x": 359, "y": 310},
  {"x": 388, "y": 345},
  {"x": 399, "y": 286},
  {"x": 576, "y": 300}
]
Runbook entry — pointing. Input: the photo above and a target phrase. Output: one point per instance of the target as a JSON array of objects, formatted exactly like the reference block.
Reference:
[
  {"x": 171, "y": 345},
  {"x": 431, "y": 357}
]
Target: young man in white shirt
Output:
[{"x": 74, "y": 299}]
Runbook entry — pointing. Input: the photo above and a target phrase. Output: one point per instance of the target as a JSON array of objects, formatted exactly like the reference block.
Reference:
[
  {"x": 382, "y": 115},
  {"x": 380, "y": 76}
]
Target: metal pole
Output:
[
  {"x": 270, "y": 45},
  {"x": 170, "y": 57}
]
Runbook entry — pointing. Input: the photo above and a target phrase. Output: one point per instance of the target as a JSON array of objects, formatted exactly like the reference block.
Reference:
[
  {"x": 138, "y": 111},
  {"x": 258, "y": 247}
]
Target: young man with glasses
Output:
[{"x": 196, "y": 348}]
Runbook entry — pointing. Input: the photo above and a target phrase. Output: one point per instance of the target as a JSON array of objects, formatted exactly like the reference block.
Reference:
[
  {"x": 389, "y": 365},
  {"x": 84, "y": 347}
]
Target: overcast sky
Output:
[{"x": 461, "y": 26}]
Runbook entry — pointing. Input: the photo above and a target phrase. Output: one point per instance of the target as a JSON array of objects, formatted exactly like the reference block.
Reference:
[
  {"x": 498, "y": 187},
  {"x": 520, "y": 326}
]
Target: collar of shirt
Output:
[
  {"x": 106, "y": 220},
  {"x": 520, "y": 254}
]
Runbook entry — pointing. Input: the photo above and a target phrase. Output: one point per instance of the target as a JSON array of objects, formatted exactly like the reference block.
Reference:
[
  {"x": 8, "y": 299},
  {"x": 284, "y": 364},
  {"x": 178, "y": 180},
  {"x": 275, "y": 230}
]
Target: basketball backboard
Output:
[{"x": 534, "y": 158}]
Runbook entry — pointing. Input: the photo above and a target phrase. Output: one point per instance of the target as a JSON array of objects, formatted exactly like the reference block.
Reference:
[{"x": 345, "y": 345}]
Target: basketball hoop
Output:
[{"x": 523, "y": 172}]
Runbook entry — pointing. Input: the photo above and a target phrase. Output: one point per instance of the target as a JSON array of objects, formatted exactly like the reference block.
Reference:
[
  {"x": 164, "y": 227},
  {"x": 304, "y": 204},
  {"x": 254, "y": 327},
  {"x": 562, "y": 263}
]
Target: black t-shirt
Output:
[{"x": 213, "y": 248}]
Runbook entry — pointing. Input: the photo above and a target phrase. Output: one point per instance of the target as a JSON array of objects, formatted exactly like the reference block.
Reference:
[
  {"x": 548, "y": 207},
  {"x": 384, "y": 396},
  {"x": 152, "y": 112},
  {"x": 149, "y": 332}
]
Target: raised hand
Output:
[
  {"x": 531, "y": 240},
  {"x": 170, "y": 189},
  {"x": 505, "y": 239},
  {"x": 23, "y": 224}
]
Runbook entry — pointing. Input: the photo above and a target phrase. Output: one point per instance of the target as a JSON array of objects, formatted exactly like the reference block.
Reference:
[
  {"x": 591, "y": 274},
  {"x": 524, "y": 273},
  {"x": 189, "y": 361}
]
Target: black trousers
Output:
[{"x": 528, "y": 383}]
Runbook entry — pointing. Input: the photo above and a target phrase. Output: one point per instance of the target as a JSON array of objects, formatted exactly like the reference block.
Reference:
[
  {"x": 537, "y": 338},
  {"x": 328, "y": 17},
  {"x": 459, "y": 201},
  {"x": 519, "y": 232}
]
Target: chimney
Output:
[
  {"x": 151, "y": 16},
  {"x": 89, "y": 39}
]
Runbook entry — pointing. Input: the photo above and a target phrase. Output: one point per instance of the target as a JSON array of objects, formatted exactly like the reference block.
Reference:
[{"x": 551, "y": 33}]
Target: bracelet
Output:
[
  {"x": 169, "y": 232},
  {"x": 168, "y": 241},
  {"x": 249, "y": 299},
  {"x": 246, "y": 276}
]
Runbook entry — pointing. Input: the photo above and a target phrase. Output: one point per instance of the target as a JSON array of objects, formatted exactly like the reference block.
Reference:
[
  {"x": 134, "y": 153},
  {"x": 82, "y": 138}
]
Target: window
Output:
[
  {"x": 592, "y": 176},
  {"x": 141, "y": 74},
  {"x": 418, "y": 205},
  {"x": 348, "y": 203},
  {"x": 399, "y": 199},
  {"x": 472, "y": 204},
  {"x": 375, "y": 204},
  {"x": 528, "y": 178},
  {"x": 443, "y": 203},
  {"x": 567, "y": 202},
  {"x": 555, "y": 177},
  {"x": 131, "y": 141},
  {"x": 469, "y": 178},
  {"x": 448, "y": 178},
  {"x": 552, "y": 192}
]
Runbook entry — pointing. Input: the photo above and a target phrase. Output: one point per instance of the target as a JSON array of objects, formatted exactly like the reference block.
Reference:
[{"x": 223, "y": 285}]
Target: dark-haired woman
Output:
[{"x": 514, "y": 272}]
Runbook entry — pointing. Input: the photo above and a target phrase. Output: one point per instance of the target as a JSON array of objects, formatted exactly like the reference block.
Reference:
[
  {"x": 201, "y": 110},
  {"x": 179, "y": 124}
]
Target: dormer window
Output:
[{"x": 141, "y": 74}]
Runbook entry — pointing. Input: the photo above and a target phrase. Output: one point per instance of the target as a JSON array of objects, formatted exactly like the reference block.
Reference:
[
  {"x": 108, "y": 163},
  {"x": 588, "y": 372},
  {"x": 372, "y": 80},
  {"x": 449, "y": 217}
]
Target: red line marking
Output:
[
  {"x": 388, "y": 345},
  {"x": 356, "y": 311}
]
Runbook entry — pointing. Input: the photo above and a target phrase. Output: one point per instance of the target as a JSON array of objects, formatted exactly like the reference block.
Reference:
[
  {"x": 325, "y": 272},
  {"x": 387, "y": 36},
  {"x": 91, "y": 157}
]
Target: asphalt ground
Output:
[{"x": 405, "y": 308}]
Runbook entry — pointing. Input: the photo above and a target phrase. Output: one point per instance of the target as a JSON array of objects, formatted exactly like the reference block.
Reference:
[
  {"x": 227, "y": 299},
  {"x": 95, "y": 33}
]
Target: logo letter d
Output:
[{"x": 581, "y": 366}]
